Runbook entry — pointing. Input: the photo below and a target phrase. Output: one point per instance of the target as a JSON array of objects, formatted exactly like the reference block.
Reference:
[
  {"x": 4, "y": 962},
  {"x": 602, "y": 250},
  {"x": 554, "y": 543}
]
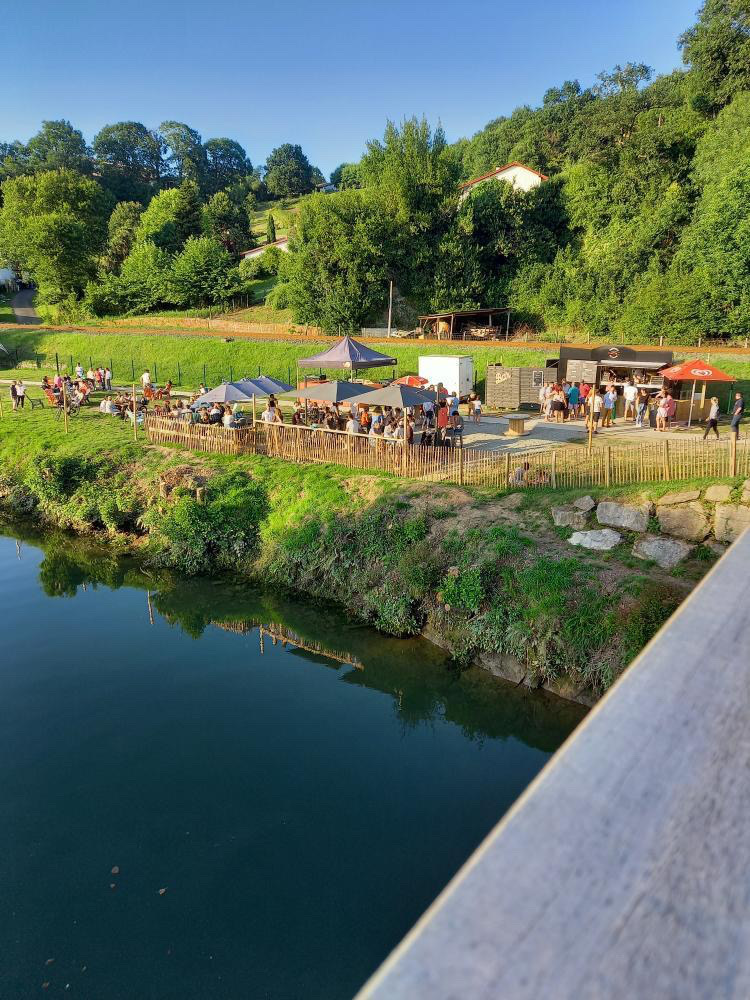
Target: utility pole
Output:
[{"x": 390, "y": 305}]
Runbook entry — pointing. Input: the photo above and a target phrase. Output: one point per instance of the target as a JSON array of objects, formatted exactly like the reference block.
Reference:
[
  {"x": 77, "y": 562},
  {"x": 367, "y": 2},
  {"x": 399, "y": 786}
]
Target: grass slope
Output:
[
  {"x": 283, "y": 212},
  {"x": 6, "y": 312},
  {"x": 129, "y": 353}
]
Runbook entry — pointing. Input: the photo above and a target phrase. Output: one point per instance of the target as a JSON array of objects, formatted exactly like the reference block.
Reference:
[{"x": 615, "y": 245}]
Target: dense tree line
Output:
[
  {"x": 642, "y": 228},
  {"x": 140, "y": 219}
]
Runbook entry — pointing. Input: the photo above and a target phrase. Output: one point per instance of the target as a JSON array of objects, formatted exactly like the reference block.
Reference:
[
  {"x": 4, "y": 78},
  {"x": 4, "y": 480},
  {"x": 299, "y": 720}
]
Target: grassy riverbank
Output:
[{"x": 487, "y": 576}]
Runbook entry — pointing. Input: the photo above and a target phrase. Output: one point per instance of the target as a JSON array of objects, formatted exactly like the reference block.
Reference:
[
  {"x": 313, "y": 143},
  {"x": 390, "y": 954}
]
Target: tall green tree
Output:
[
  {"x": 129, "y": 160},
  {"x": 717, "y": 49},
  {"x": 337, "y": 273},
  {"x": 202, "y": 273},
  {"x": 54, "y": 226},
  {"x": 186, "y": 157},
  {"x": 288, "y": 172},
  {"x": 227, "y": 163},
  {"x": 270, "y": 229},
  {"x": 227, "y": 222},
  {"x": 188, "y": 211},
  {"x": 121, "y": 232}
]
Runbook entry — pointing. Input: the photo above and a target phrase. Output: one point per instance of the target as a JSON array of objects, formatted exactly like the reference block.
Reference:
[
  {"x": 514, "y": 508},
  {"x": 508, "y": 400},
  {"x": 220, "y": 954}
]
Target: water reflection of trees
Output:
[{"x": 423, "y": 683}]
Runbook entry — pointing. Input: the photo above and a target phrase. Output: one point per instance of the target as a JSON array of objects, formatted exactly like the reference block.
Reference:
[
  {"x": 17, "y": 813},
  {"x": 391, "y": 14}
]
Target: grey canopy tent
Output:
[
  {"x": 331, "y": 392},
  {"x": 264, "y": 385},
  {"x": 227, "y": 392},
  {"x": 348, "y": 354}
]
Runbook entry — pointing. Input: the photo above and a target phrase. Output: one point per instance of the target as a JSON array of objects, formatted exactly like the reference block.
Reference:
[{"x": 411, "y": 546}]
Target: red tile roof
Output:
[{"x": 499, "y": 170}]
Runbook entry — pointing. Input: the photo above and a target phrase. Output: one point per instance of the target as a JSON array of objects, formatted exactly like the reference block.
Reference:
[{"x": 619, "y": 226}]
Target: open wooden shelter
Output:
[{"x": 467, "y": 324}]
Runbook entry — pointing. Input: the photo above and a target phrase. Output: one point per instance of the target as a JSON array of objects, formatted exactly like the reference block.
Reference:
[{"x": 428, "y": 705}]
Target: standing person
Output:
[
  {"x": 630, "y": 394},
  {"x": 738, "y": 411},
  {"x": 610, "y": 399},
  {"x": 443, "y": 417},
  {"x": 79, "y": 370},
  {"x": 583, "y": 396},
  {"x": 20, "y": 393},
  {"x": 595, "y": 405},
  {"x": 452, "y": 403},
  {"x": 670, "y": 405},
  {"x": 146, "y": 379},
  {"x": 477, "y": 410},
  {"x": 542, "y": 399},
  {"x": 574, "y": 398},
  {"x": 352, "y": 424},
  {"x": 641, "y": 407},
  {"x": 14, "y": 395},
  {"x": 712, "y": 420},
  {"x": 662, "y": 412},
  {"x": 108, "y": 379}
]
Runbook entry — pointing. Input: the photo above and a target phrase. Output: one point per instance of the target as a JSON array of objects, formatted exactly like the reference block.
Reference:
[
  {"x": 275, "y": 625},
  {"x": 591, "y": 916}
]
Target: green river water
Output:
[{"x": 301, "y": 787}]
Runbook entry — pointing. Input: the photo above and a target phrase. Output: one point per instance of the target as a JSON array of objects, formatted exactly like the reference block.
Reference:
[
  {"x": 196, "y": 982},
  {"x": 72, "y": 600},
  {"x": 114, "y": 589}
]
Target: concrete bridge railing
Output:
[{"x": 624, "y": 869}]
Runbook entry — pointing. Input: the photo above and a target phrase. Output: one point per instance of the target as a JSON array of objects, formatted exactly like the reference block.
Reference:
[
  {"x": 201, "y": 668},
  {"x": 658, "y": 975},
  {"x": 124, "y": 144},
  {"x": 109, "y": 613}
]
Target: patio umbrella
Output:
[
  {"x": 266, "y": 386},
  {"x": 330, "y": 392},
  {"x": 227, "y": 392},
  {"x": 695, "y": 371},
  {"x": 397, "y": 394},
  {"x": 414, "y": 380}
]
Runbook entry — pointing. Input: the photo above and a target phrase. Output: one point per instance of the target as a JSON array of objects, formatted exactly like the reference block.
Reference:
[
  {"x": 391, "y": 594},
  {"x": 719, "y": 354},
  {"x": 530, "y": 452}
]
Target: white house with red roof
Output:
[
  {"x": 282, "y": 244},
  {"x": 522, "y": 178}
]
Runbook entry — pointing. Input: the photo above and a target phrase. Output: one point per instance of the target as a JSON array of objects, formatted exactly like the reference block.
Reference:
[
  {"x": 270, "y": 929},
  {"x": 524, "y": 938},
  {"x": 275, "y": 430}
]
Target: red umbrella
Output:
[
  {"x": 413, "y": 380},
  {"x": 695, "y": 371}
]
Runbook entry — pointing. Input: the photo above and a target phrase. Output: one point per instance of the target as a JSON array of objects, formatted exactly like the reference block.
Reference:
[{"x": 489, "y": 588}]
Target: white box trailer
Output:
[{"x": 454, "y": 371}]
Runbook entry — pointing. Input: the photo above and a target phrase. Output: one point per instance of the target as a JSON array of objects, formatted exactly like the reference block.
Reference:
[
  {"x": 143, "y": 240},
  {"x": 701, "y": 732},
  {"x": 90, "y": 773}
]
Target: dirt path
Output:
[{"x": 22, "y": 304}]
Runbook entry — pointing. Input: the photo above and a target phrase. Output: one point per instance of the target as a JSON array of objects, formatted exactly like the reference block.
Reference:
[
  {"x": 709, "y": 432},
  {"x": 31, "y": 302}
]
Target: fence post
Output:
[
  {"x": 71, "y": 364},
  {"x": 204, "y": 376},
  {"x": 461, "y": 464},
  {"x": 132, "y": 369},
  {"x": 57, "y": 363},
  {"x": 231, "y": 374},
  {"x": 554, "y": 469},
  {"x": 608, "y": 467},
  {"x": 179, "y": 374},
  {"x": 733, "y": 455},
  {"x": 667, "y": 471},
  {"x": 507, "y": 469},
  {"x": 661, "y": 341}
]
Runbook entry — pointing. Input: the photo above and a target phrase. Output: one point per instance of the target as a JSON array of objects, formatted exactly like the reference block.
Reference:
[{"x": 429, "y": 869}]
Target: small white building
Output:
[
  {"x": 518, "y": 174},
  {"x": 282, "y": 244}
]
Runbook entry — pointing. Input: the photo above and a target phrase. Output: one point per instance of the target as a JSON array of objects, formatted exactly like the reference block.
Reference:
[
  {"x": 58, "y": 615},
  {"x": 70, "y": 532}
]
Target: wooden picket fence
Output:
[{"x": 565, "y": 467}]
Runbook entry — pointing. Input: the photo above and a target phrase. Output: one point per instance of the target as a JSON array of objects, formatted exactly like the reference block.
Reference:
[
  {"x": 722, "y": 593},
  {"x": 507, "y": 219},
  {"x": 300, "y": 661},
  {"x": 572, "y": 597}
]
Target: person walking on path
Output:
[
  {"x": 20, "y": 393},
  {"x": 738, "y": 411},
  {"x": 712, "y": 420},
  {"x": 641, "y": 407}
]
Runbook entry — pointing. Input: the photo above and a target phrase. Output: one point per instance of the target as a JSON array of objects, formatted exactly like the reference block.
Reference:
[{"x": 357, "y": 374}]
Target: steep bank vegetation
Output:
[{"x": 485, "y": 576}]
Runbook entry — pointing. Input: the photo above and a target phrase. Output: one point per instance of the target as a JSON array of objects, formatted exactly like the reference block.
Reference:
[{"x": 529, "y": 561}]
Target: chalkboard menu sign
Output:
[
  {"x": 537, "y": 379},
  {"x": 581, "y": 371}
]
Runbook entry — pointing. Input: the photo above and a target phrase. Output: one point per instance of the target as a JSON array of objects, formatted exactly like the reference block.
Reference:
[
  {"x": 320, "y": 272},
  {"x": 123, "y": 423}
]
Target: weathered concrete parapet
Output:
[
  {"x": 621, "y": 515},
  {"x": 621, "y": 872}
]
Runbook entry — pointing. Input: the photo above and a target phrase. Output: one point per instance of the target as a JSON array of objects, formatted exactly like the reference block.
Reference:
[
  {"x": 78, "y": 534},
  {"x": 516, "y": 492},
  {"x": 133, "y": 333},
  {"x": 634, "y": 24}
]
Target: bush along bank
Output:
[{"x": 494, "y": 581}]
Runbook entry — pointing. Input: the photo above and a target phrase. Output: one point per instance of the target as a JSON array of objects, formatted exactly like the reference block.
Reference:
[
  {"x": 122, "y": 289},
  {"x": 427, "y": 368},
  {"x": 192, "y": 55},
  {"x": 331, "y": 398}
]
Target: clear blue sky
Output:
[{"x": 325, "y": 74}]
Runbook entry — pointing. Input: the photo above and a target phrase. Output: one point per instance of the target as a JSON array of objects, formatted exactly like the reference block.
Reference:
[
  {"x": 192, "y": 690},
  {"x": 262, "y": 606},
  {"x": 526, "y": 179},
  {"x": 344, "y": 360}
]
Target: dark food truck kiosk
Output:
[{"x": 613, "y": 365}]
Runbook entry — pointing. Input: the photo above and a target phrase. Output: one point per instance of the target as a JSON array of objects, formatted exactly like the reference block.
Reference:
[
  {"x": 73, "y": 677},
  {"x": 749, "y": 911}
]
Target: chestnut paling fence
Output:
[{"x": 568, "y": 466}]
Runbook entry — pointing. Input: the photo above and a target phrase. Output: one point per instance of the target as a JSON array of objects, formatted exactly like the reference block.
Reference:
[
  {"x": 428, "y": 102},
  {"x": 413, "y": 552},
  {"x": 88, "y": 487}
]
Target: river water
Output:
[{"x": 301, "y": 788}]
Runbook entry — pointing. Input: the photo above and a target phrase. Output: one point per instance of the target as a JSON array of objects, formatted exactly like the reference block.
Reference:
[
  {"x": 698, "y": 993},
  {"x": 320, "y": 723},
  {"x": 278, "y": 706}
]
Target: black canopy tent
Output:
[{"x": 347, "y": 355}]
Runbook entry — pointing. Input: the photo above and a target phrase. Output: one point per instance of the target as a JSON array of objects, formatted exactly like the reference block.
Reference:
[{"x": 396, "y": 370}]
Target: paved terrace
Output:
[{"x": 622, "y": 871}]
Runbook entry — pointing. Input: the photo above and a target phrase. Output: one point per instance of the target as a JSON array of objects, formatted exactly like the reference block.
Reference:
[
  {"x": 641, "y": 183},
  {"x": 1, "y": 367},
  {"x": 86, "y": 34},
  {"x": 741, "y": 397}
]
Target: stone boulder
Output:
[
  {"x": 665, "y": 552},
  {"x": 585, "y": 504},
  {"x": 604, "y": 539},
  {"x": 620, "y": 515},
  {"x": 687, "y": 521},
  {"x": 718, "y": 493},
  {"x": 730, "y": 520},
  {"x": 670, "y": 499},
  {"x": 569, "y": 517}
]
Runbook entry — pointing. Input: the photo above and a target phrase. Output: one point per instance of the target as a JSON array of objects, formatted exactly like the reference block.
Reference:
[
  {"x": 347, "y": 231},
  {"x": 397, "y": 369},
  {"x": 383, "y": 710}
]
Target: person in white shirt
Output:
[
  {"x": 20, "y": 393},
  {"x": 630, "y": 394},
  {"x": 79, "y": 370},
  {"x": 108, "y": 379},
  {"x": 269, "y": 415},
  {"x": 146, "y": 378},
  {"x": 352, "y": 425}
]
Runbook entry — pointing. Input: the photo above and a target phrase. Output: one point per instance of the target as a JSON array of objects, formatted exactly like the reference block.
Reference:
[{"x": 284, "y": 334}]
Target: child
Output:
[{"x": 477, "y": 404}]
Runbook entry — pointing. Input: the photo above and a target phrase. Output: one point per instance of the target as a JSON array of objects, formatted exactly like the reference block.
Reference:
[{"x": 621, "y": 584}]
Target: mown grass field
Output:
[{"x": 182, "y": 358}]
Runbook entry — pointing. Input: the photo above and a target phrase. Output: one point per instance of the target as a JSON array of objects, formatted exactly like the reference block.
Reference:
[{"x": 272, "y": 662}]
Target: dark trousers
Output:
[
  {"x": 712, "y": 425},
  {"x": 735, "y": 425},
  {"x": 21, "y": 401}
]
